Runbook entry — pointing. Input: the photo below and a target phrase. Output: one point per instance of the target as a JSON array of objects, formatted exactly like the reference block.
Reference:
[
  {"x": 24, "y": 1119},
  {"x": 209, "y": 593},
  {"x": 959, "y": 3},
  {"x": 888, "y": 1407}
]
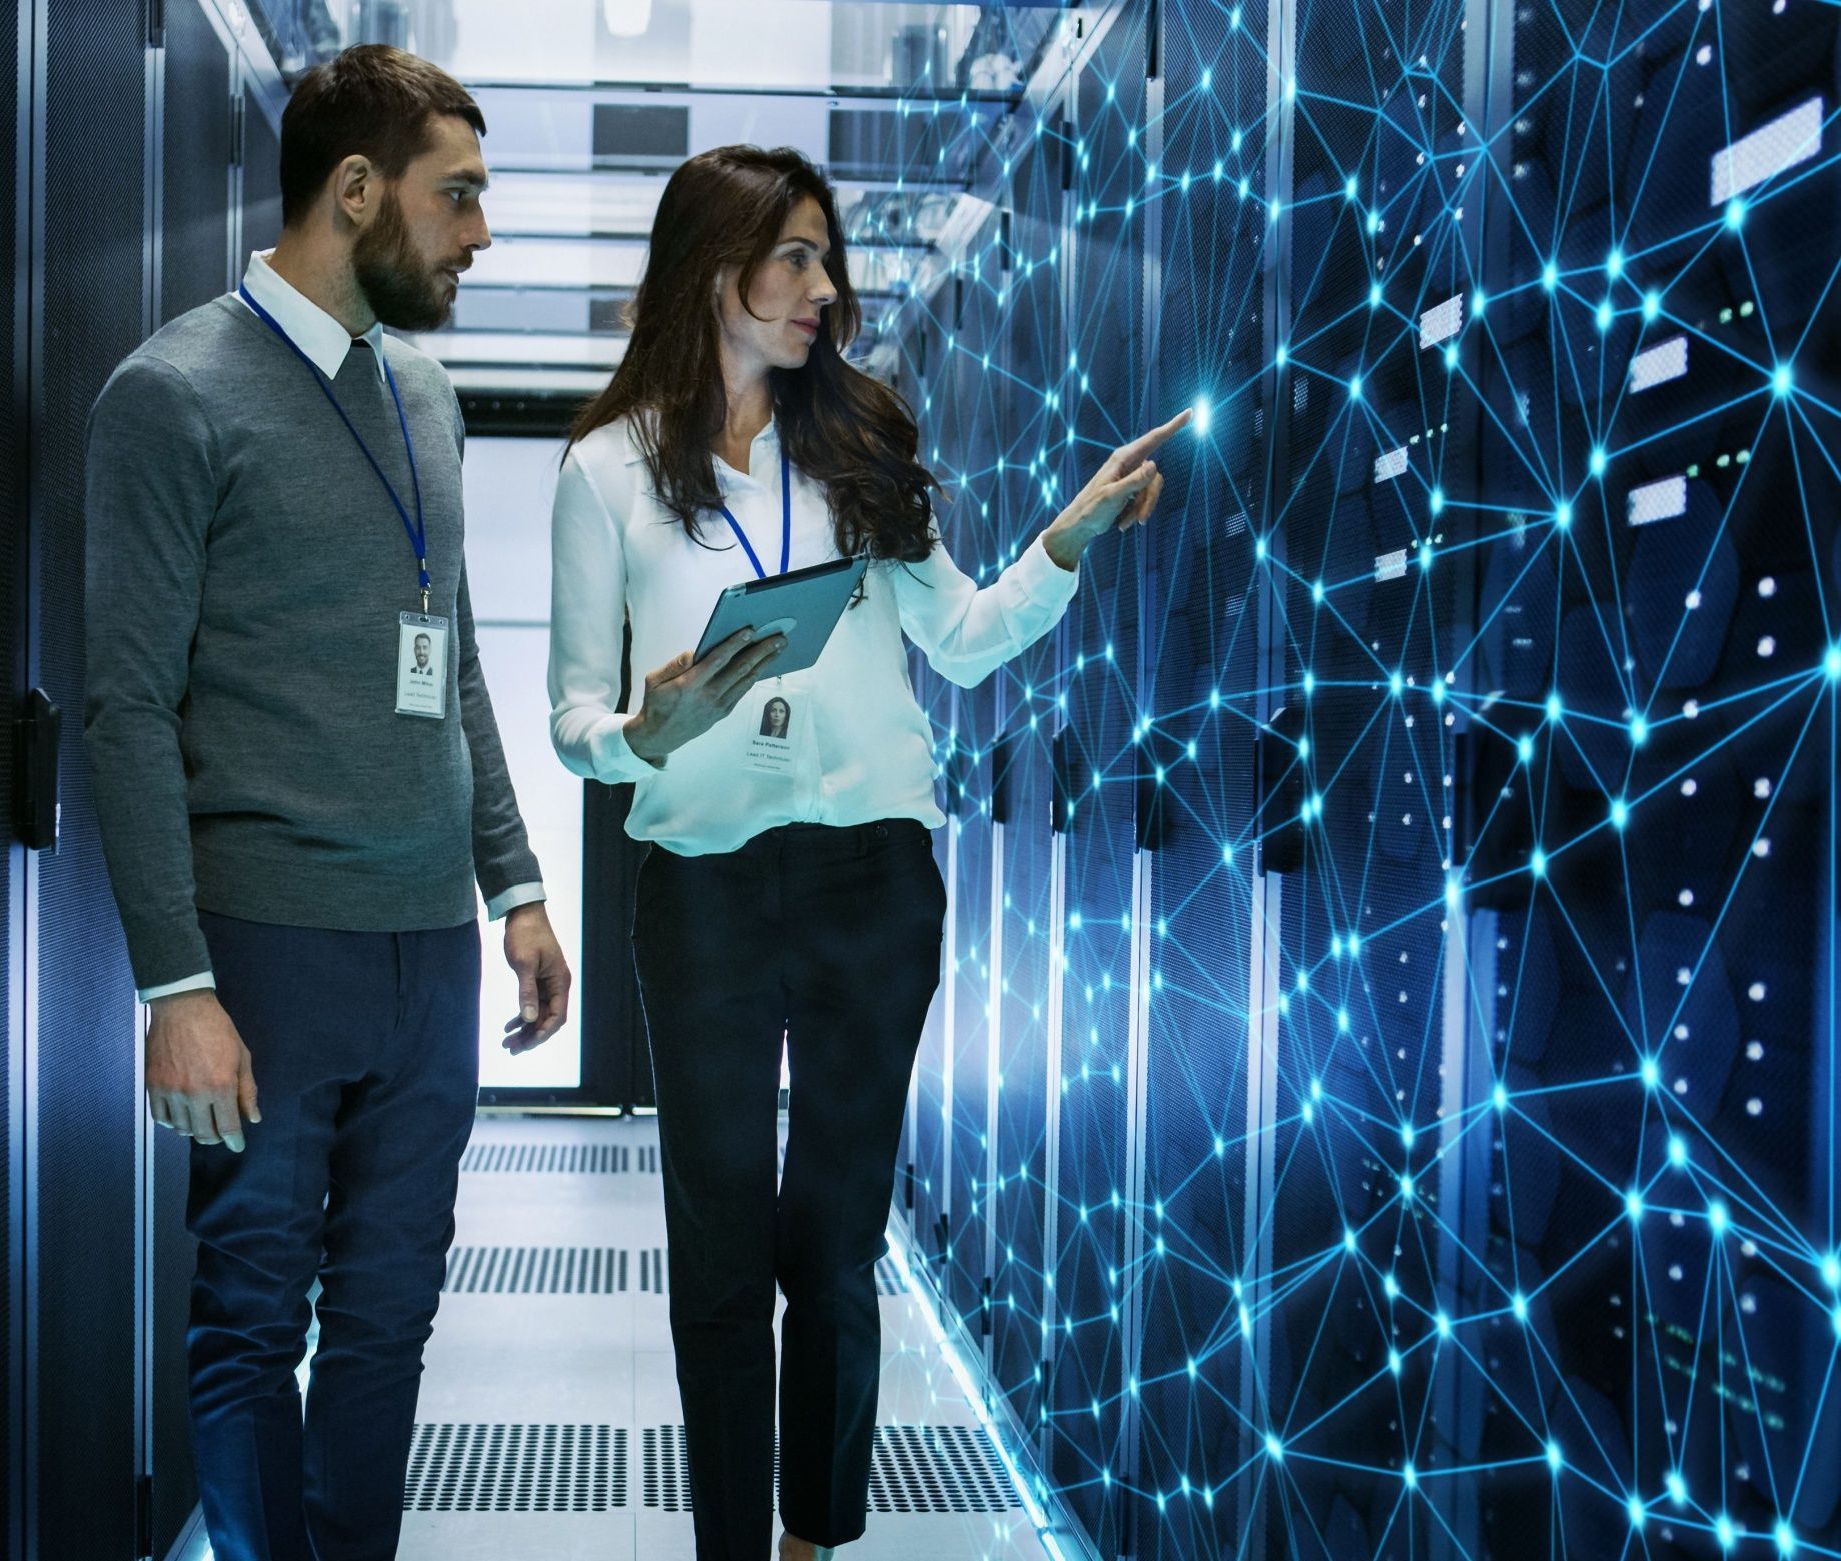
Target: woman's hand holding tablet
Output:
[{"x": 686, "y": 697}]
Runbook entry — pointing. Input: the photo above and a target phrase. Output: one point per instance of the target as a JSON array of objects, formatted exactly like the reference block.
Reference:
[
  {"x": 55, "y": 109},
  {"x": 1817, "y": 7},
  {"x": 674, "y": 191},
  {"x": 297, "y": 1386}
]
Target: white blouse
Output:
[{"x": 866, "y": 747}]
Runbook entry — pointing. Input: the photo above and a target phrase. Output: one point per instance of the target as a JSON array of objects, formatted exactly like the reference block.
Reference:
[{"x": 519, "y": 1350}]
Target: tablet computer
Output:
[{"x": 803, "y": 604}]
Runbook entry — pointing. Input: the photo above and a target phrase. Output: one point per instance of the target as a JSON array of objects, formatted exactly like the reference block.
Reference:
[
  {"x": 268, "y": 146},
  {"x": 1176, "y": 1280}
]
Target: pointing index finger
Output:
[{"x": 1145, "y": 443}]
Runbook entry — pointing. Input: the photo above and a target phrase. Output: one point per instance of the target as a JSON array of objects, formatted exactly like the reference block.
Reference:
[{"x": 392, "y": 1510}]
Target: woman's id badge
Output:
[
  {"x": 771, "y": 729},
  {"x": 421, "y": 665}
]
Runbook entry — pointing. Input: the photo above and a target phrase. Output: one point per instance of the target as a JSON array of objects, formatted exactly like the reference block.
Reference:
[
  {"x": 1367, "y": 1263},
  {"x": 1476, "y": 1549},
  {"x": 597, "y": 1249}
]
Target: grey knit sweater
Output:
[{"x": 245, "y": 573}]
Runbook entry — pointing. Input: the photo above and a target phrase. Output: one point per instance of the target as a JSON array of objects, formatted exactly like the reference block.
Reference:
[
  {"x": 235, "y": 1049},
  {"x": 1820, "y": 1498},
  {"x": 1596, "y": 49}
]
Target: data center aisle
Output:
[{"x": 549, "y": 1426}]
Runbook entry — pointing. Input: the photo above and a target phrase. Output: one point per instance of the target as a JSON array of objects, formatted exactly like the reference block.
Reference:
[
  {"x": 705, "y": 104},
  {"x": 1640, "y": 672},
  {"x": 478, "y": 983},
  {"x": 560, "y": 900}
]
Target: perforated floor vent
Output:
[
  {"x": 516, "y": 1468},
  {"x": 926, "y": 1469},
  {"x": 538, "y": 1270},
  {"x": 563, "y": 1159}
]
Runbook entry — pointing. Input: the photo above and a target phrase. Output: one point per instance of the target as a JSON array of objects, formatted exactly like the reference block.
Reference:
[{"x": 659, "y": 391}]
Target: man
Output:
[
  {"x": 422, "y": 669},
  {"x": 299, "y": 920}
]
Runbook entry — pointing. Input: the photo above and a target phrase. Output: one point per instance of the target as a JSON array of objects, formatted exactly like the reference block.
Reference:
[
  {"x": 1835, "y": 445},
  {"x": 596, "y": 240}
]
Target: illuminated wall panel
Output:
[{"x": 1428, "y": 1143}]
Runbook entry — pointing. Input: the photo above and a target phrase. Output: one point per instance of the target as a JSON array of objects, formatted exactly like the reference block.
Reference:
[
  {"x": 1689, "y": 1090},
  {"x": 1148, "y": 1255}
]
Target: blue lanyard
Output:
[
  {"x": 786, "y": 521},
  {"x": 417, "y": 529}
]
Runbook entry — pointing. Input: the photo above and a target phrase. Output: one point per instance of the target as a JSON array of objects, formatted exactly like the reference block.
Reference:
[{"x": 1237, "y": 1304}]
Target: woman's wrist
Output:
[
  {"x": 1064, "y": 545},
  {"x": 639, "y": 741}
]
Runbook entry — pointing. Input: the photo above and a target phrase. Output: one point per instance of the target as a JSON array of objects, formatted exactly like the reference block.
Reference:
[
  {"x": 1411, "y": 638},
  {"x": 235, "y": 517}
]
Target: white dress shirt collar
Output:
[
  {"x": 763, "y": 459},
  {"x": 322, "y": 338}
]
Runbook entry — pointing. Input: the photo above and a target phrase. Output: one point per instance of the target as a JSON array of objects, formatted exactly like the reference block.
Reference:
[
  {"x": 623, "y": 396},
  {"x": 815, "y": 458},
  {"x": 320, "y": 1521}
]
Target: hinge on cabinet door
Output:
[
  {"x": 1062, "y": 807},
  {"x": 143, "y": 1516},
  {"x": 36, "y": 805}
]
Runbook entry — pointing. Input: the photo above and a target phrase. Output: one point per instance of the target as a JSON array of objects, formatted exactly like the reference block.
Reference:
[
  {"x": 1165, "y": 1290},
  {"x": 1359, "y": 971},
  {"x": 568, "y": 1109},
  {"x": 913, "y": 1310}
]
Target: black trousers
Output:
[
  {"x": 366, "y": 1054},
  {"x": 832, "y": 937}
]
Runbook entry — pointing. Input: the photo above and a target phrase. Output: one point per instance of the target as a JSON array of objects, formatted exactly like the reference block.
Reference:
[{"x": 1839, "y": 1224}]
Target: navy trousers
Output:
[
  {"x": 366, "y": 1055},
  {"x": 832, "y": 938}
]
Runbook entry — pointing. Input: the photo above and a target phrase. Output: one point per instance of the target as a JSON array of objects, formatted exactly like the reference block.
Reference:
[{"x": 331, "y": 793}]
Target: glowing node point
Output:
[
  {"x": 1563, "y": 515},
  {"x": 1639, "y": 731},
  {"x": 1554, "y": 707},
  {"x": 1500, "y": 1097},
  {"x": 1274, "y": 1448},
  {"x": 1786, "y": 1541},
  {"x": 1396, "y": 683},
  {"x": 1411, "y": 1476},
  {"x": 1717, "y": 1217},
  {"x": 1554, "y": 1459},
  {"x": 1652, "y": 1074},
  {"x": 1831, "y": 1271},
  {"x": 1677, "y": 1152},
  {"x": 1652, "y": 305},
  {"x": 1524, "y": 748},
  {"x": 1633, "y": 1205},
  {"x": 1550, "y": 276},
  {"x": 1518, "y": 1304},
  {"x": 1781, "y": 379},
  {"x": 1598, "y": 459},
  {"x": 1537, "y": 863},
  {"x": 1677, "y": 1489},
  {"x": 1735, "y": 214},
  {"x": 1636, "y": 1510},
  {"x": 1438, "y": 500},
  {"x": 1355, "y": 388},
  {"x": 1831, "y": 663},
  {"x": 1614, "y": 263},
  {"x": 1620, "y": 813},
  {"x": 1724, "y": 1532}
]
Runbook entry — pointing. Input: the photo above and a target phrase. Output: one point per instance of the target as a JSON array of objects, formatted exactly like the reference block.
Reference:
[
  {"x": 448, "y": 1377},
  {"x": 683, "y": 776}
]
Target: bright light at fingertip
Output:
[{"x": 1203, "y": 412}]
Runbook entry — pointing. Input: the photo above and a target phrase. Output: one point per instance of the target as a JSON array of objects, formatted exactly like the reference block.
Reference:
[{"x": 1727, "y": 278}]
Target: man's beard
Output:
[{"x": 401, "y": 291}]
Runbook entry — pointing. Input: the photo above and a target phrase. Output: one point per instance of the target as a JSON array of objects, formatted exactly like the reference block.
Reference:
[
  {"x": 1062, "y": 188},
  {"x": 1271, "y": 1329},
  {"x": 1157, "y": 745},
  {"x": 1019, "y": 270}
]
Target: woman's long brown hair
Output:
[{"x": 842, "y": 428}]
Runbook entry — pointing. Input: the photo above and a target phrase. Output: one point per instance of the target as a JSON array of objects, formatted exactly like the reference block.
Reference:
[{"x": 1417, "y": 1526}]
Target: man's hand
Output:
[
  {"x": 199, "y": 1081},
  {"x": 531, "y": 949}
]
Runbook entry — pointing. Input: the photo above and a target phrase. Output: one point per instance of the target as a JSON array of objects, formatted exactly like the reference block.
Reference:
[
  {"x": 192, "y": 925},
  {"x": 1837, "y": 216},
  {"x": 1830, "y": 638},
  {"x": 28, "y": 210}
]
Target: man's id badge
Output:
[
  {"x": 772, "y": 728},
  {"x": 421, "y": 665}
]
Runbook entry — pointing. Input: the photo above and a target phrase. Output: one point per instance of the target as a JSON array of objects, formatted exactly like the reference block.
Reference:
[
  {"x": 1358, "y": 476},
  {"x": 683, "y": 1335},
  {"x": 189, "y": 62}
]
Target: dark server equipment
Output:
[
  {"x": 1386, "y": 1100},
  {"x": 127, "y": 132}
]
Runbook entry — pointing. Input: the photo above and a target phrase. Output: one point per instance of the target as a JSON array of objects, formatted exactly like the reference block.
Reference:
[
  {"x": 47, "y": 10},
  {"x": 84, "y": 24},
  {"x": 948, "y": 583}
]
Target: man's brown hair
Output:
[{"x": 372, "y": 101}]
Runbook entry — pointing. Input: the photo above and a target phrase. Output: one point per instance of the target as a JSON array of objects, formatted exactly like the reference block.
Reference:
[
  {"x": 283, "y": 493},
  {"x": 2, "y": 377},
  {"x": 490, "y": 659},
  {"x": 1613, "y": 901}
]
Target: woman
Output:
[
  {"x": 776, "y": 719},
  {"x": 785, "y": 894}
]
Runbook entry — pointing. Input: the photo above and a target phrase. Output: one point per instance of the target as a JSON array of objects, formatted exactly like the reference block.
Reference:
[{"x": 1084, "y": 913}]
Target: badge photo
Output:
[{"x": 771, "y": 730}]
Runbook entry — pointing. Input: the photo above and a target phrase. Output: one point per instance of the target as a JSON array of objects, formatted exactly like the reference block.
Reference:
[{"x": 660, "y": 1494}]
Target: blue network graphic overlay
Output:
[{"x": 1383, "y": 1099}]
